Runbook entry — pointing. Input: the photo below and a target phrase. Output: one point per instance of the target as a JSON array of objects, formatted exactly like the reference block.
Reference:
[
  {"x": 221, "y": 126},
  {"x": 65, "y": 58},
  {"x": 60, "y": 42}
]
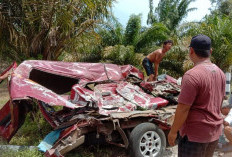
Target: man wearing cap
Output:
[{"x": 198, "y": 115}]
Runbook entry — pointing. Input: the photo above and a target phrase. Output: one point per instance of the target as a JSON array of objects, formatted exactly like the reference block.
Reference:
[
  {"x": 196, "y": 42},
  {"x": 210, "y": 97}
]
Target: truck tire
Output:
[{"x": 147, "y": 140}]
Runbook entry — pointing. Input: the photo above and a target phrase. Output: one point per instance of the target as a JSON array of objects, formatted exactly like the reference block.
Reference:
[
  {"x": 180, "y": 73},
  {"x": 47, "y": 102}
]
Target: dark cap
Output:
[{"x": 200, "y": 42}]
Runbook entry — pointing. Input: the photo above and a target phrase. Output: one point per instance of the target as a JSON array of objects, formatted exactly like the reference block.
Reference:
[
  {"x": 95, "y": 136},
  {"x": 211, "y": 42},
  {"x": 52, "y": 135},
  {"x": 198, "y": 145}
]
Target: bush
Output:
[{"x": 121, "y": 55}]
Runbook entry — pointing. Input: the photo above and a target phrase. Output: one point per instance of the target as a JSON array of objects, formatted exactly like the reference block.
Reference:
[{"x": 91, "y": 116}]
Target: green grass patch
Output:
[
  {"x": 32, "y": 132},
  {"x": 4, "y": 96},
  {"x": 28, "y": 135},
  {"x": 23, "y": 153}
]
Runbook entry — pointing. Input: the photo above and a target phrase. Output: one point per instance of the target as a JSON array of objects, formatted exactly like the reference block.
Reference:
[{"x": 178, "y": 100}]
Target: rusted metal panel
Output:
[
  {"x": 147, "y": 113},
  {"x": 164, "y": 112}
]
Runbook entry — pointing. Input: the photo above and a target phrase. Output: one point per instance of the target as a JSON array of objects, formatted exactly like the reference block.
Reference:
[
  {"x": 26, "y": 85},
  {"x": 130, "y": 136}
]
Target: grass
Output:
[
  {"x": 4, "y": 96},
  {"x": 23, "y": 153},
  {"x": 30, "y": 135}
]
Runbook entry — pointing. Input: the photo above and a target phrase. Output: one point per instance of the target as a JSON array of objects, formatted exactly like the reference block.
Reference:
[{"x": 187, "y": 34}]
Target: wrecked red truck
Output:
[{"x": 108, "y": 100}]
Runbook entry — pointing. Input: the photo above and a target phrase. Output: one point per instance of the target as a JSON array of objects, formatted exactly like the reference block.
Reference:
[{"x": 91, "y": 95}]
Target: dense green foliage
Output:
[
  {"x": 130, "y": 41},
  {"x": 172, "y": 63},
  {"x": 86, "y": 31},
  {"x": 219, "y": 30},
  {"x": 222, "y": 7},
  {"x": 151, "y": 18},
  {"x": 120, "y": 54},
  {"x": 111, "y": 32},
  {"x": 132, "y": 30},
  {"x": 217, "y": 26},
  {"x": 151, "y": 37},
  {"x": 43, "y": 29},
  {"x": 75, "y": 31}
]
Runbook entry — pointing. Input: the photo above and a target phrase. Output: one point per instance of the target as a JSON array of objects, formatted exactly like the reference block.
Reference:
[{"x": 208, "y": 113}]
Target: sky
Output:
[{"x": 124, "y": 8}]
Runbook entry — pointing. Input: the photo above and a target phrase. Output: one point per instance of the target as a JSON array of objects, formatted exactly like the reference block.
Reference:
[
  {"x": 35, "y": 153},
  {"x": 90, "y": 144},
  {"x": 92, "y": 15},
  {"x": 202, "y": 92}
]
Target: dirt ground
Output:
[{"x": 173, "y": 152}]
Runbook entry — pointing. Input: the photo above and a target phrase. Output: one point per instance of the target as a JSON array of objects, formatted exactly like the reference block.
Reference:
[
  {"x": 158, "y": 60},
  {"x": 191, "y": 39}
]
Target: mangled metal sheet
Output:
[
  {"x": 138, "y": 97},
  {"x": 166, "y": 87},
  {"x": 164, "y": 114},
  {"x": 86, "y": 72},
  {"x": 22, "y": 87},
  {"x": 116, "y": 97},
  {"x": 170, "y": 110}
]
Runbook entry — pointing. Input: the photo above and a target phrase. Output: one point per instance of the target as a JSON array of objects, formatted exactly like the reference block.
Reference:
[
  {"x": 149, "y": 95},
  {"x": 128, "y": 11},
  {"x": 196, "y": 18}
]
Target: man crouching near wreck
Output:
[
  {"x": 198, "y": 115},
  {"x": 155, "y": 58}
]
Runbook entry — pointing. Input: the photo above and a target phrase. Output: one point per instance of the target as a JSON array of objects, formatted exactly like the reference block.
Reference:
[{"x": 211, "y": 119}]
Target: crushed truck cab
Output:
[{"x": 109, "y": 100}]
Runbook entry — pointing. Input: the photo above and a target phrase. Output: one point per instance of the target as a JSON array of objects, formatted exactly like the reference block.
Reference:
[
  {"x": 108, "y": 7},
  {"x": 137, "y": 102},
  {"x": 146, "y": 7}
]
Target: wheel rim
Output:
[{"x": 150, "y": 144}]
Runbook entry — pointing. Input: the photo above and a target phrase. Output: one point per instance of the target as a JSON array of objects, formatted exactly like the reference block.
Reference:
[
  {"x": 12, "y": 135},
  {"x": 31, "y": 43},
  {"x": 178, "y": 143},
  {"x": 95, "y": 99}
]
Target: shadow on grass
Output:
[{"x": 98, "y": 151}]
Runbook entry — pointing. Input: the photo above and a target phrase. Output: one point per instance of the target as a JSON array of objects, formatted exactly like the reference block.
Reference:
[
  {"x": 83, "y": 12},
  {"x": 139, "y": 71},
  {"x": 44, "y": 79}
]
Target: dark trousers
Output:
[
  {"x": 187, "y": 148},
  {"x": 148, "y": 66}
]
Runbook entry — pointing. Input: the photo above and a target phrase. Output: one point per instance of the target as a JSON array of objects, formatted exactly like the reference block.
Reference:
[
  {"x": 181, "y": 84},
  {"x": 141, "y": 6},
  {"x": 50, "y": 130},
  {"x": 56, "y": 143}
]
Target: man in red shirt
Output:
[{"x": 198, "y": 114}]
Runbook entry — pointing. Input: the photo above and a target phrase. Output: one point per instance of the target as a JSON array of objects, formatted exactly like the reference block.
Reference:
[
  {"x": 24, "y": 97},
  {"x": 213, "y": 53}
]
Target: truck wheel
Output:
[{"x": 147, "y": 140}]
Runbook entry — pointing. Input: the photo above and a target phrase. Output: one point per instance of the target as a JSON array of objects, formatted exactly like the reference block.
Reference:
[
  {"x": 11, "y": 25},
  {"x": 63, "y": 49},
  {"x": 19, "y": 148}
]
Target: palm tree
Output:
[
  {"x": 133, "y": 29},
  {"x": 127, "y": 46},
  {"x": 222, "y": 7},
  {"x": 172, "y": 12},
  {"x": 111, "y": 32},
  {"x": 218, "y": 28},
  {"x": 151, "y": 37},
  {"x": 46, "y": 28},
  {"x": 151, "y": 18}
]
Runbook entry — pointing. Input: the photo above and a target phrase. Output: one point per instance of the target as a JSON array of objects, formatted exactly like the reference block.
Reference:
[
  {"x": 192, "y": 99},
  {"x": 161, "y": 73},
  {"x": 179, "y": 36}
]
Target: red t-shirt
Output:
[{"x": 203, "y": 87}]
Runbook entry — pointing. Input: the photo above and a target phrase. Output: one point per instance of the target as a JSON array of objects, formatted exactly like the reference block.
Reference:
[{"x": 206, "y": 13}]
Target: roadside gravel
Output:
[{"x": 173, "y": 152}]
